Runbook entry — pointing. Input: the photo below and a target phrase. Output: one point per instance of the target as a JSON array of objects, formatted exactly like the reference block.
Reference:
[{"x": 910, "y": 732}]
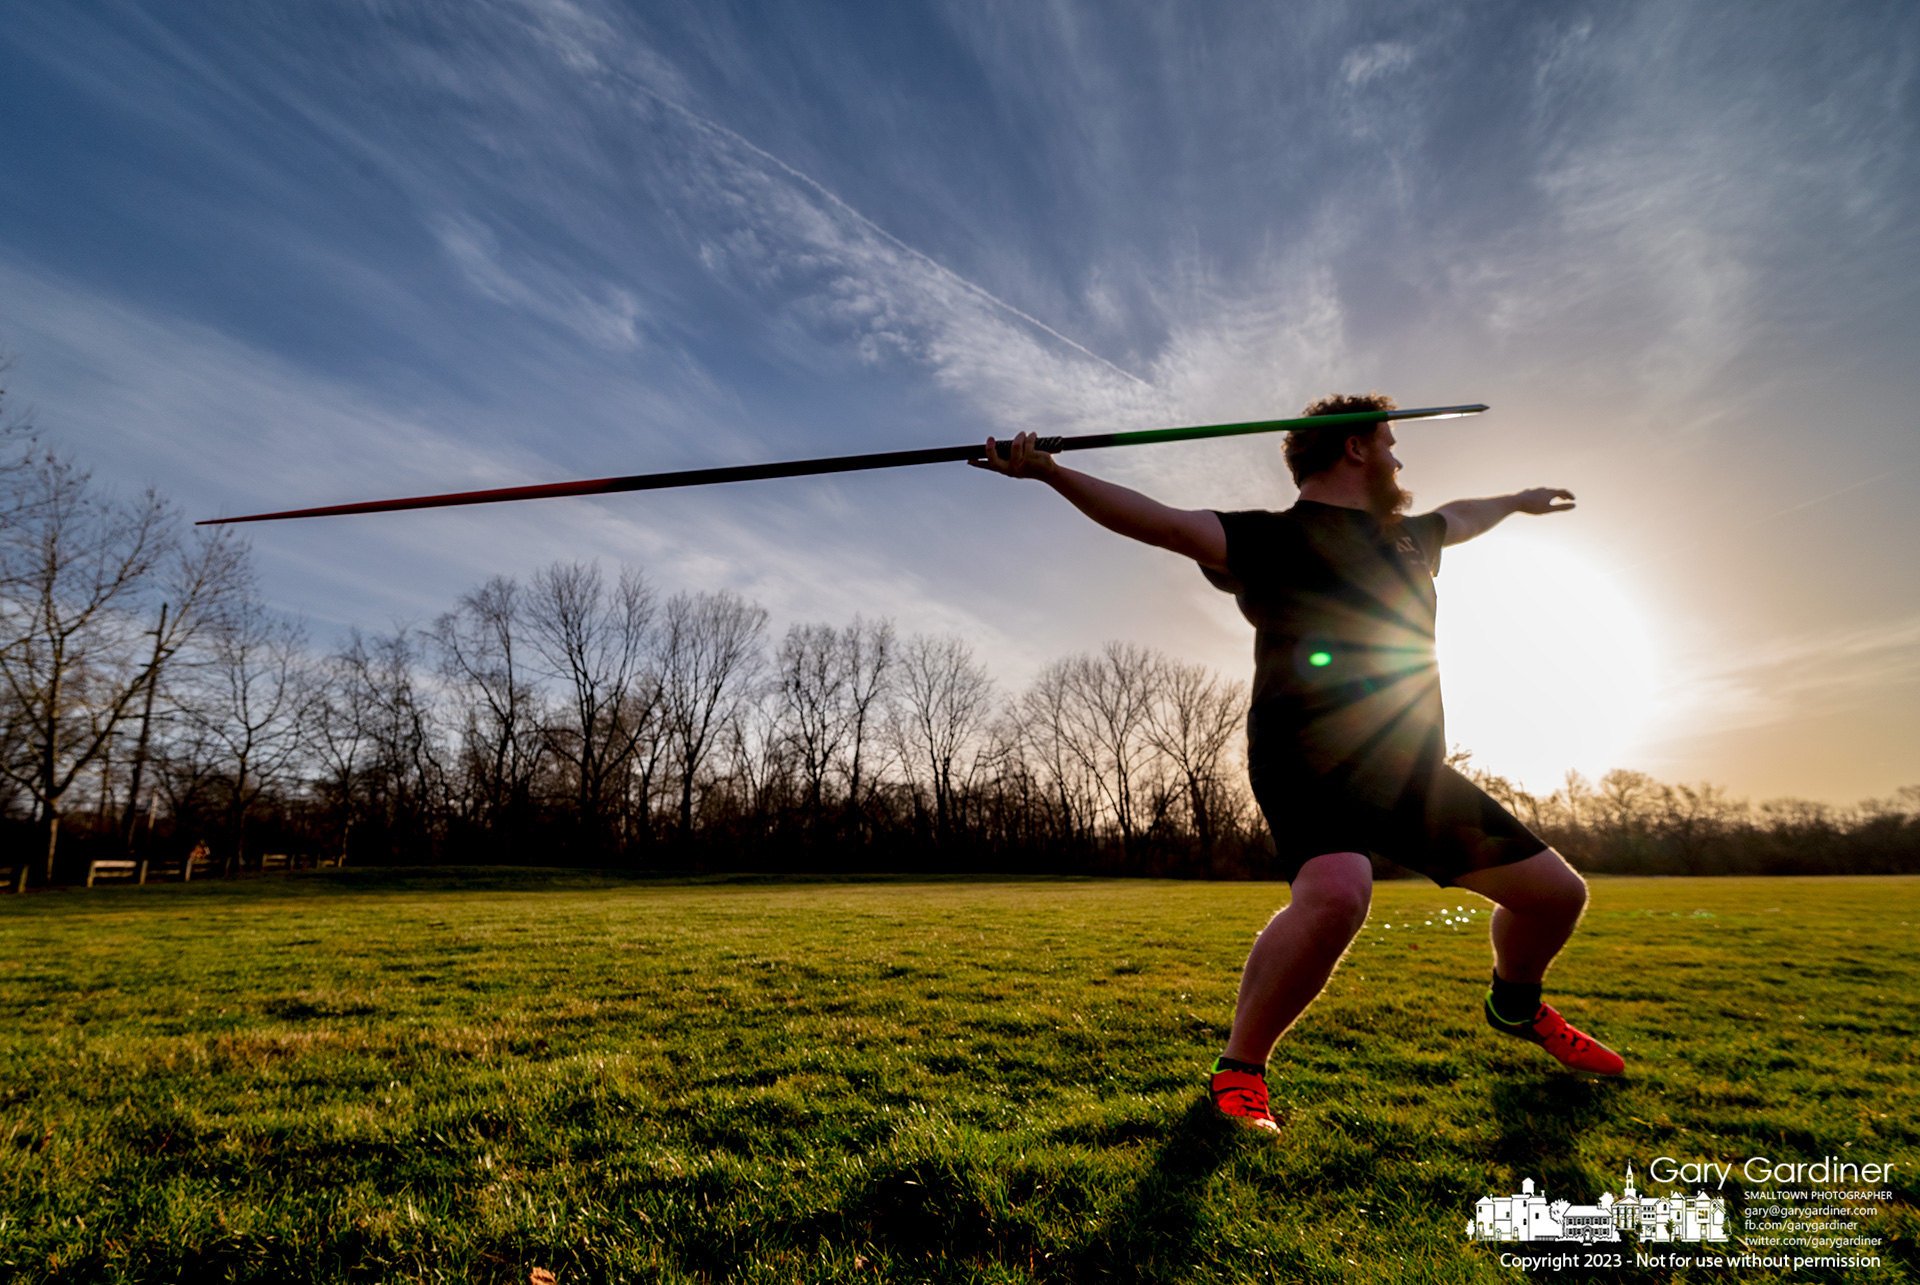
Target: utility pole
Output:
[{"x": 140, "y": 750}]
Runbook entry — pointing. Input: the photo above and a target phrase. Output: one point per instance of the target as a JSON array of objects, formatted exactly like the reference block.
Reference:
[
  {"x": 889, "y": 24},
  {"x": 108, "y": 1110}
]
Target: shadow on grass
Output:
[
  {"x": 944, "y": 1213},
  {"x": 1162, "y": 1225},
  {"x": 1541, "y": 1121}
]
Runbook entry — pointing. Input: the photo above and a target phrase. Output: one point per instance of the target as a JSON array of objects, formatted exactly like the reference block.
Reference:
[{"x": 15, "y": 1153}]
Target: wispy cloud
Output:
[
  {"x": 1674, "y": 163},
  {"x": 612, "y": 319},
  {"x": 1369, "y": 62},
  {"x": 1814, "y": 673},
  {"x": 939, "y": 272},
  {"x": 784, "y": 235},
  {"x": 1236, "y": 345}
]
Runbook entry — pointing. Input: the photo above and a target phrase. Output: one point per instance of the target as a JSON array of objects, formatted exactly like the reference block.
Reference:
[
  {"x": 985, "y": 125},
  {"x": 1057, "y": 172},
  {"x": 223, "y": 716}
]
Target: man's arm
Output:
[
  {"x": 1468, "y": 518},
  {"x": 1191, "y": 533}
]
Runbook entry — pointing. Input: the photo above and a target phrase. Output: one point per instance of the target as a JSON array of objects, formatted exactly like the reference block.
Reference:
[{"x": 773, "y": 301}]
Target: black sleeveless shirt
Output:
[{"x": 1345, "y": 681}]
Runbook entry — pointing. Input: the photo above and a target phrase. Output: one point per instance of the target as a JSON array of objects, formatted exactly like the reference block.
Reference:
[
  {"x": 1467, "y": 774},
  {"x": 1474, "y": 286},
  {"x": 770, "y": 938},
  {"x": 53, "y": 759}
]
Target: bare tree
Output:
[
  {"x": 79, "y": 573},
  {"x": 337, "y": 725},
  {"x": 1626, "y": 799},
  {"x": 377, "y": 742},
  {"x": 1012, "y": 801},
  {"x": 1193, "y": 718},
  {"x": 481, "y": 655},
  {"x": 15, "y": 740},
  {"x": 1694, "y": 818},
  {"x": 943, "y": 702},
  {"x": 710, "y": 658},
  {"x": 150, "y": 689},
  {"x": 1576, "y": 798},
  {"x": 867, "y": 652},
  {"x": 187, "y": 764},
  {"x": 595, "y": 645},
  {"x": 812, "y": 681},
  {"x": 762, "y": 758},
  {"x": 1102, "y": 721},
  {"x": 651, "y": 749},
  {"x": 250, "y": 689},
  {"x": 1050, "y": 733}
]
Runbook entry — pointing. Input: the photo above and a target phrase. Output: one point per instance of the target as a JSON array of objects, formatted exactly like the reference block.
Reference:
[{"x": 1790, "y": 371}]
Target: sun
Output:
[{"x": 1546, "y": 662}]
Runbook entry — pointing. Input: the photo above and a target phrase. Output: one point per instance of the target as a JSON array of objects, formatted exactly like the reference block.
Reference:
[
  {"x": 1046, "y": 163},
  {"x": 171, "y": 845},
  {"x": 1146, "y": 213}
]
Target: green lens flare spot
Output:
[{"x": 1320, "y": 659}]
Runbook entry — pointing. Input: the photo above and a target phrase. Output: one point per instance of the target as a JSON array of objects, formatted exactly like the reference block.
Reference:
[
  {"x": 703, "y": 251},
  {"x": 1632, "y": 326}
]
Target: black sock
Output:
[
  {"x": 1514, "y": 1002},
  {"x": 1225, "y": 1063}
]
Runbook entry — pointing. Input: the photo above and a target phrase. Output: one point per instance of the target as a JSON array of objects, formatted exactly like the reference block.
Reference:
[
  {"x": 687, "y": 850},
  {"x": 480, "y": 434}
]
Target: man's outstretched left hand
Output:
[
  {"x": 1469, "y": 518},
  {"x": 1543, "y": 499}
]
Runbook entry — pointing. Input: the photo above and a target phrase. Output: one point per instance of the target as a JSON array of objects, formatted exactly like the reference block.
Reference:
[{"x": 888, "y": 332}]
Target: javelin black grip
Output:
[{"x": 1045, "y": 445}]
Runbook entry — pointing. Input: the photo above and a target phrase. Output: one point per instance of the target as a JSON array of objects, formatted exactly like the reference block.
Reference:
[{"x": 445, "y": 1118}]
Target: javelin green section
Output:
[{"x": 1151, "y": 435}]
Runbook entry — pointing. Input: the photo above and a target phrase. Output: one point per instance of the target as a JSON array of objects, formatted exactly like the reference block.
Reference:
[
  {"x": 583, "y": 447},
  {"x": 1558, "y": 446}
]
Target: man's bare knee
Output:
[
  {"x": 1337, "y": 890},
  {"x": 1554, "y": 903},
  {"x": 1543, "y": 886},
  {"x": 1562, "y": 893},
  {"x": 1348, "y": 907}
]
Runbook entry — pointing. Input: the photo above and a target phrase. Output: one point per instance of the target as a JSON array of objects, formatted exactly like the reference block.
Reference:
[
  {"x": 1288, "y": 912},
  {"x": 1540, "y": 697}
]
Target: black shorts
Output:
[{"x": 1444, "y": 830}]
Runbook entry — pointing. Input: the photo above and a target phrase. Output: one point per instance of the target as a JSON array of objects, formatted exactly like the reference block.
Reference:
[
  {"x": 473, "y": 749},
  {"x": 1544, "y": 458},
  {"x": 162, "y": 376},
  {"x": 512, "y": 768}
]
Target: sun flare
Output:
[{"x": 1546, "y": 662}]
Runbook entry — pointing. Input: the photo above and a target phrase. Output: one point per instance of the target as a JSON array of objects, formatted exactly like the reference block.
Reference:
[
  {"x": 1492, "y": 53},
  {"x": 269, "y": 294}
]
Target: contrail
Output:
[
  {"x": 879, "y": 231},
  {"x": 1830, "y": 495}
]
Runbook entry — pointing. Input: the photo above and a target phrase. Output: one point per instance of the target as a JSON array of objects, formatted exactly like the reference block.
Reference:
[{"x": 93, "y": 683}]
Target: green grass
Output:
[{"x": 360, "y": 1077}]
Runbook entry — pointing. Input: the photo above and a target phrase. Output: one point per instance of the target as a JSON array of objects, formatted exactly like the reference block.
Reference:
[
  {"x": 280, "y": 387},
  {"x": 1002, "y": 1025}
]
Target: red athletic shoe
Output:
[
  {"x": 1550, "y": 1031},
  {"x": 1242, "y": 1098}
]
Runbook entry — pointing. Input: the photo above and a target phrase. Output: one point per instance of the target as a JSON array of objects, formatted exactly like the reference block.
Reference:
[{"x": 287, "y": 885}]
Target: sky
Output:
[{"x": 266, "y": 257}]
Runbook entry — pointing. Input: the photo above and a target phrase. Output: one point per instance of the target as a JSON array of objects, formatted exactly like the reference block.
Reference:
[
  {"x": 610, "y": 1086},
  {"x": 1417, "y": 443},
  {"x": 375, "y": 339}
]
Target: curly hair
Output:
[{"x": 1313, "y": 450}]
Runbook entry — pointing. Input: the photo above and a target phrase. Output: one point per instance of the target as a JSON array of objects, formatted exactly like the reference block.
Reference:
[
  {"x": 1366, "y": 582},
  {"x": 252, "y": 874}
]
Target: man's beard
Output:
[{"x": 1385, "y": 498}]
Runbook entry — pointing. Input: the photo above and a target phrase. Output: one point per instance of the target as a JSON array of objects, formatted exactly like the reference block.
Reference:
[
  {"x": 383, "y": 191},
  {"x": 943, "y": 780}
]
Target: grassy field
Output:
[{"x": 366, "y": 1077}]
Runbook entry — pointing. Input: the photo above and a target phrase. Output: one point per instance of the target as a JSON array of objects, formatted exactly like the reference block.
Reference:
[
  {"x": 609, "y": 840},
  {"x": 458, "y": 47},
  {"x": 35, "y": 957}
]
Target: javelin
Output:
[{"x": 844, "y": 464}]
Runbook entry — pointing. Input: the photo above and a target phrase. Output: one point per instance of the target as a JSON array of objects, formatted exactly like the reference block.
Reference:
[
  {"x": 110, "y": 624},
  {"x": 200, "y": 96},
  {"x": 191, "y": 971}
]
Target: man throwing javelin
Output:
[{"x": 1345, "y": 741}]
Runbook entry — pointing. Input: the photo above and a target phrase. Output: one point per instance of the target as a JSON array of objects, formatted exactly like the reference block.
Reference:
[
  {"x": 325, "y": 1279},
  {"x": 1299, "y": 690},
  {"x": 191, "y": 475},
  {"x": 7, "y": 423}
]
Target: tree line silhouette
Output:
[
  {"x": 151, "y": 703},
  {"x": 1629, "y": 823}
]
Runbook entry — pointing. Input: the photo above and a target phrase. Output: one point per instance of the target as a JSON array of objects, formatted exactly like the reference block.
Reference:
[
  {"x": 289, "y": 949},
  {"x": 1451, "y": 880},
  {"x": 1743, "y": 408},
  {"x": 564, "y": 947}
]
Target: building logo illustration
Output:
[{"x": 1529, "y": 1216}]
